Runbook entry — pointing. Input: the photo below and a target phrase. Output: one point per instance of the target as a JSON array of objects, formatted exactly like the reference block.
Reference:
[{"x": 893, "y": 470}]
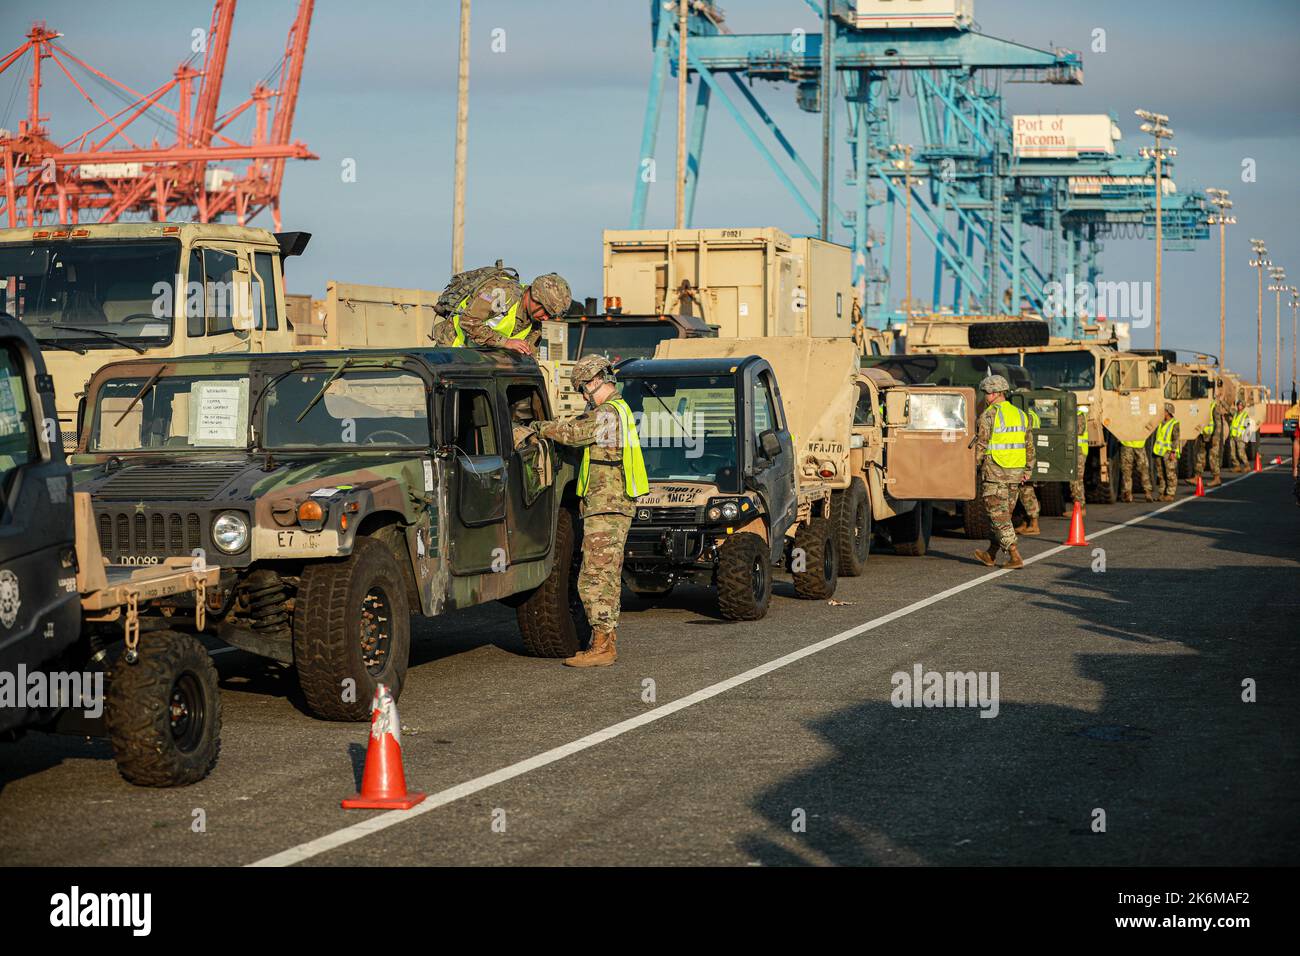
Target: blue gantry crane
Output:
[{"x": 973, "y": 198}]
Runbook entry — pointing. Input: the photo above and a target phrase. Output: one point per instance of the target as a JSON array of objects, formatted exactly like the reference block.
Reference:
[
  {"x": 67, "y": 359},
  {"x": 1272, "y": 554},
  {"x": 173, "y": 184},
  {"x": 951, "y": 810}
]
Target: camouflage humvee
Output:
[{"x": 339, "y": 493}]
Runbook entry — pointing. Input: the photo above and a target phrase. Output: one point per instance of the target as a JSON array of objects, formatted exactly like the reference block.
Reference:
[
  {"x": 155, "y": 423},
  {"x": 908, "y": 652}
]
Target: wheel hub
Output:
[{"x": 376, "y": 630}]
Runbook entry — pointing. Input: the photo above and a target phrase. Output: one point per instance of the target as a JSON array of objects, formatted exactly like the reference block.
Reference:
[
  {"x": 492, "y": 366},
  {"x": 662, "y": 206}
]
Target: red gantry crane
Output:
[{"x": 104, "y": 174}]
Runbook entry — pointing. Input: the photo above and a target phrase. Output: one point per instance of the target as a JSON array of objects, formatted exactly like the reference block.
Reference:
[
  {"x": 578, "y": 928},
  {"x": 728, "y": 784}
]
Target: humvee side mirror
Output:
[{"x": 769, "y": 444}]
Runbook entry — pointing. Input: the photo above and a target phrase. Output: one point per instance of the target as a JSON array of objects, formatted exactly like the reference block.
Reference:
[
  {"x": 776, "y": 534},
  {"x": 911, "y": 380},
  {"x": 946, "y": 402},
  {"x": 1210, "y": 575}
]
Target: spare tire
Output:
[{"x": 1008, "y": 335}]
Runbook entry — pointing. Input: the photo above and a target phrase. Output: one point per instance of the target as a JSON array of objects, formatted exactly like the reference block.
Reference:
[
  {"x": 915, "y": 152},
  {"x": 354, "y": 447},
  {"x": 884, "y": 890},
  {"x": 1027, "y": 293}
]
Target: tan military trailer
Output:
[
  {"x": 1122, "y": 394},
  {"x": 885, "y": 450}
]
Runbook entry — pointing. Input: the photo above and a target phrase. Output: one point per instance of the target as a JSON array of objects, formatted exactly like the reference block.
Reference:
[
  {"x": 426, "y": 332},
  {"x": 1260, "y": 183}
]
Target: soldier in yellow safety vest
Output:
[
  {"x": 1028, "y": 499},
  {"x": 1133, "y": 457},
  {"x": 502, "y": 313},
  {"x": 611, "y": 478},
  {"x": 1237, "y": 429},
  {"x": 1077, "y": 490},
  {"x": 1166, "y": 449},
  {"x": 1209, "y": 446},
  {"x": 1004, "y": 450}
]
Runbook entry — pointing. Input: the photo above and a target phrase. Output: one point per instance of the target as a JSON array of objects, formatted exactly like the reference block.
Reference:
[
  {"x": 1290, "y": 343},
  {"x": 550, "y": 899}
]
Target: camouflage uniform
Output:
[
  {"x": 1211, "y": 446},
  {"x": 606, "y": 510},
  {"x": 999, "y": 487},
  {"x": 490, "y": 302},
  {"x": 1131, "y": 459},
  {"x": 1167, "y": 467},
  {"x": 1077, "y": 492}
]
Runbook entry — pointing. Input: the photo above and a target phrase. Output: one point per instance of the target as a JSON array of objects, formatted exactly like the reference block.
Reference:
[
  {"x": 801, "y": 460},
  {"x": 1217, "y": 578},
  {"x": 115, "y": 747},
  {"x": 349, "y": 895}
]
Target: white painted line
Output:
[{"x": 383, "y": 821}]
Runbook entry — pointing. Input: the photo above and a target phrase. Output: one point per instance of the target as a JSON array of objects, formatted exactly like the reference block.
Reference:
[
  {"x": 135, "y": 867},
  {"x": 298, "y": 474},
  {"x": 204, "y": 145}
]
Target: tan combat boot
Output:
[
  {"x": 1016, "y": 561},
  {"x": 601, "y": 653},
  {"x": 989, "y": 557},
  {"x": 1032, "y": 527},
  {"x": 1216, "y": 480},
  {"x": 1150, "y": 496}
]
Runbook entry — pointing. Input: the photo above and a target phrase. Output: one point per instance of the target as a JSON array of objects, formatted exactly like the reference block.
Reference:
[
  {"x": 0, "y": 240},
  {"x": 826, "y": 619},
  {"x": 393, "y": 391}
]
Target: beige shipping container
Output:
[{"x": 749, "y": 283}]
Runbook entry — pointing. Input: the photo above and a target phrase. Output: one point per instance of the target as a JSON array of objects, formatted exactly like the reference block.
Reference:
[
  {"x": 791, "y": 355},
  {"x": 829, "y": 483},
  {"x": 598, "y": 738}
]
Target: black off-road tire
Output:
[
  {"x": 975, "y": 519},
  {"x": 851, "y": 515},
  {"x": 1051, "y": 498},
  {"x": 910, "y": 532},
  {"x": 152, "y": 749},
  {"x": 821, "y": 561},
  {"x": 1187, "y": 459},
  {"x": 744, "y": 578},
  {"x": 552, "y": 621},
  {"x": 327, "y": 623},
  {"x": 1003, "y": 335},
  {"x": 1106, "y": 492}
]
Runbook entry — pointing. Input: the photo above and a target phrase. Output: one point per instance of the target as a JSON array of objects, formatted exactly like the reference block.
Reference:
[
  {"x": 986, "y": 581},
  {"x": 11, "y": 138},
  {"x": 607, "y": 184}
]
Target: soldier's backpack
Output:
[{"x": 464, "y": 285}]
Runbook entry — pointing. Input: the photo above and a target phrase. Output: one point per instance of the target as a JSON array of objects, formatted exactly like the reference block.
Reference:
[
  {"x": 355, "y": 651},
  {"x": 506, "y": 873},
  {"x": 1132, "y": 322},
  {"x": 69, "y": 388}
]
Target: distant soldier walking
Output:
[
  {"x": 1133, "y": 457},
  {"x": 490, "y": 308},
  {"x": 610, "y": 480},
  {"x": 1166, "y": 449},
  {"x": 1004, "y": 449},
  {"x": 1077, "y": 491}
]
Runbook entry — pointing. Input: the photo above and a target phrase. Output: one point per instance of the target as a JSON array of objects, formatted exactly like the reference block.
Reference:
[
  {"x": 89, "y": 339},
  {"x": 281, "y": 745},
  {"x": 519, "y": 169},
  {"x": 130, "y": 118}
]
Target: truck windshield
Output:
[
  {"x": 618, "y": 340},
  {"x": 1183, "y": 387},
  {"x": 1066, "y": 370},
  {"x": 364, "y": 406},
  {"x": 687, "y": 426},
  {"x": 152, "y": 412},
  {"x": 88, "y": 293},
  {"x": 17, "y": 436}
]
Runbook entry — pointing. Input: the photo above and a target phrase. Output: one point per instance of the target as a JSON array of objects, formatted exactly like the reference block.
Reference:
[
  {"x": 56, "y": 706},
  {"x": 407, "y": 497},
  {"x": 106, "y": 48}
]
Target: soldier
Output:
[
  {"x": 1237, "y": 438},
  {"x": 1028, "y": 498},
  {"x": 612, "y": 477},
  {"x": 502, "y": 313},
  {"x": 1209, "y": 444},
  {"x": 1166, "y": 449},
  {"x": 1077, "y": 491},
  {"x": 1004, "y": 448},
  {"x": 1133, "y": 456}
]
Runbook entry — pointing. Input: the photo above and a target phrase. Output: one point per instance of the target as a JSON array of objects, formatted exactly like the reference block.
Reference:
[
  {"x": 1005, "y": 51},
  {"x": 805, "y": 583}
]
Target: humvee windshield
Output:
[
  {"x": 17, "y": 436},
  {"x": 363, "y": 406},
  {"x": 87, "y": 293},
  {"x": 618, "y": 340},
  {"x": 1073, "y": 371},
  {"x": 687, "y": 426},
  {"x": 161, "y": 411}
]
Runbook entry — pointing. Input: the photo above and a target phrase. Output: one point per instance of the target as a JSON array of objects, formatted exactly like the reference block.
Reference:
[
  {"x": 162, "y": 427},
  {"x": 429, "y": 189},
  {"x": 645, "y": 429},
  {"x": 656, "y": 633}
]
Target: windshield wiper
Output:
[
  {"x": 140, "y": 394},
  {"x": 323, "y": 389},
  {"x": 139, "y": 349},
  {"x": 651, "y": 388},
  {"x": 59, "y": 345}
]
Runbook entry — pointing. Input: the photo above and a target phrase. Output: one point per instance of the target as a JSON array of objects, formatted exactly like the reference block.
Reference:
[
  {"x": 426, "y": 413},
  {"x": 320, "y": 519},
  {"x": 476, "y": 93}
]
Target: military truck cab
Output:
[{"x": 339, "y": 493}]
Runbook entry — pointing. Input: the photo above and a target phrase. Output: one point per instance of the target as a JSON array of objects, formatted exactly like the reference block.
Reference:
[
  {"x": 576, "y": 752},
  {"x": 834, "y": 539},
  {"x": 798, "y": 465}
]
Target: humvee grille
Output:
[
  {"x": 184, "y": 482},
  {"x": 159, "y": 534},
  {"x": 667, "y": 516}
]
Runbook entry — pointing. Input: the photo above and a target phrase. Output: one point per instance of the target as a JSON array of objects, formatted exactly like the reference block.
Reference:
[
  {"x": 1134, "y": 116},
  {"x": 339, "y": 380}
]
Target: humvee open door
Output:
[
  {"x": 927, "y": 451},
  {"x": 1056, "y": 443}
]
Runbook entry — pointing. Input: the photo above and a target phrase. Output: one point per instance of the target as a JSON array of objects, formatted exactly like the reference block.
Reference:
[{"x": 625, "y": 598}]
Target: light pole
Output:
[
  {"x": 462, "y": 145},
  {"x": 906, "y": 150},
  {"x": 1157, "y": 124},
  {"x": 1278, "y": 275},
  {"x": 1295, "y": 303},
  {"x": 683, "y": 13},
  {"x": 1260, "y": 261},
  {"x": 1219, "y": 198}
]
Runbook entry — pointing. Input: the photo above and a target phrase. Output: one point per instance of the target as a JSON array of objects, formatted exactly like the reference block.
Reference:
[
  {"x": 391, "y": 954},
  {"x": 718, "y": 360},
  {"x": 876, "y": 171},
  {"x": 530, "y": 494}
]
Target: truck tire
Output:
[
  {"x": 1187, "y": 460},
  {"x": 1004, "y": 335},
  {"x": 851, "y": 515},
  {"x": 1106, "y": 492},
  {"x": 744, "y": 578},
  {"x": 911, "y": 532},
  {"x": 351, "y": 622},
  {"x": 821, "y": 565},
  {"x": 975, "y": 519},
  {"x": 163, "y": 713},
  {"x": 551, "y": 620},
  {"x": 1051, "y": 498}
]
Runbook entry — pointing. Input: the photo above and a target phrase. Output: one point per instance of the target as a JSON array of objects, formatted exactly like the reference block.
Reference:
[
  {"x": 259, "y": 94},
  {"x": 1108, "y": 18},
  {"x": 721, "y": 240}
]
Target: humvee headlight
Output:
[
  {"x": 729, "y": 510},
  {"x": 714, "y": 513},
  {"x": 230, "y": 532}
]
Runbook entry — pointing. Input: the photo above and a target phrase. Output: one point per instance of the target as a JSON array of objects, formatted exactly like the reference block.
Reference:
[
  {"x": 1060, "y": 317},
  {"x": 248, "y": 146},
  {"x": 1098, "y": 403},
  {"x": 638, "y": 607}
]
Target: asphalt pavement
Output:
[{"x": 1121, "y": 736}]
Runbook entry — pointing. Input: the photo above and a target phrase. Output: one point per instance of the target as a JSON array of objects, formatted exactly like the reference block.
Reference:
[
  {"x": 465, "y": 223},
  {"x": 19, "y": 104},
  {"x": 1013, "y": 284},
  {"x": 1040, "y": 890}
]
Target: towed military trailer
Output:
[
  {"x": 814, "y": 473},
  {"x": 338, "y": 493},
  {"x": 73, "y": 657}
]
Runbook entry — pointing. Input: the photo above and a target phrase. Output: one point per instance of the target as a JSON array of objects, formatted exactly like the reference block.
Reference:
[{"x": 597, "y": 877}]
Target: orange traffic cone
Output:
[
  {"x": 1277, "y": 460},
  {"x": 1076, "y": 527},
  {"x": 1200, "y": 487},
  {"x": 383, "y": 784},
  {"x": 1259, "y": 462}
]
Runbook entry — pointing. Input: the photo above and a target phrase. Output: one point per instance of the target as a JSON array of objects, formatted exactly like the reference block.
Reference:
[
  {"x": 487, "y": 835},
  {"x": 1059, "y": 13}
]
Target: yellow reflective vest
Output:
[
  {"x": 635, "y": 481},
  {"x": 1164, "y": 443},
  {"x": 1007, "y": 442},
  {"x": 504, "y": 323},
  {"x": 1083, "y": 430},
  {"x": 1238, "y": 427}
]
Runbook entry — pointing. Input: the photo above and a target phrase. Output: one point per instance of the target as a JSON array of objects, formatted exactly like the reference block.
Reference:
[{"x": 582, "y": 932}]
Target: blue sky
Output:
[{"x": 556, "y": 120}]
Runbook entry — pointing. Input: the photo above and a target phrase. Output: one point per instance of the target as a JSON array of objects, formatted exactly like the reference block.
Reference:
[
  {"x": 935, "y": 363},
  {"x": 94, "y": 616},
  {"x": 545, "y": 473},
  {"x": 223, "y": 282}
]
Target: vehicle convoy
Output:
[
  {"x": 60, "y": 608},
  {"x": 744, "y": 477},
  {"x": 338, "y": 493},
  {"x": 1121, "y": 393},
  {"x": 1190, "y": 386}
]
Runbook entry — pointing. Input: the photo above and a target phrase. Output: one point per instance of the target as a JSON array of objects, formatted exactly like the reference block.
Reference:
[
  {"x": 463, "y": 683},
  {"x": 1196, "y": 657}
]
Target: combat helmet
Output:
[
  {"x": 552, "y": 293},
  {"x": 995, "y": 383},
  {"x": 588, "y": 367}
]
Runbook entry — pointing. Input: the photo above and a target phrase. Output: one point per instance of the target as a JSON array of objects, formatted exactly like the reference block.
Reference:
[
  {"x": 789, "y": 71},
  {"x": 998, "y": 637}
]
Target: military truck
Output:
[
  {"x": 67, "y": 618},
  {"x": 1190, "y": 386},
  {"x": 1122, "y": 394},
  {"x": 866, "y": 454},
  {"x": 338, "y": 493}
]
